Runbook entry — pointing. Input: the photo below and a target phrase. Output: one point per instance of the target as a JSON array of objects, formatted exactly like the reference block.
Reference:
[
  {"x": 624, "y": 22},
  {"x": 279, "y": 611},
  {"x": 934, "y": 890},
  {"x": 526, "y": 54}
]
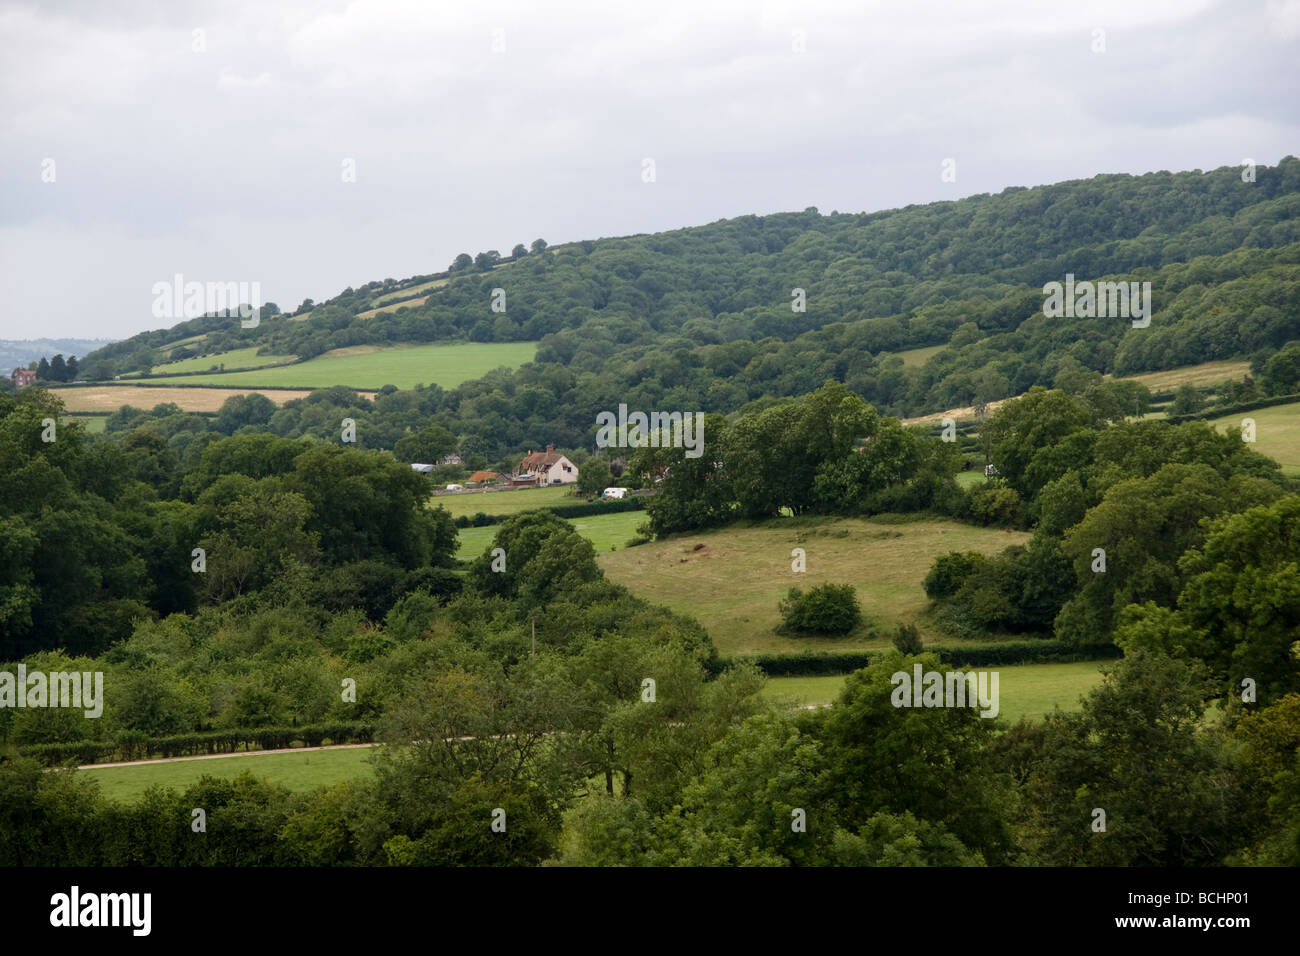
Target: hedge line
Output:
[
  {"x": 586, "y": 508},
  {"x": 1025, "y": 652},
  {"x": 162, "y": 382},
  {"x": 825, "y": 663},
  {"x": 133, "y": 747},
  {"x": 1208, "y": 413}
]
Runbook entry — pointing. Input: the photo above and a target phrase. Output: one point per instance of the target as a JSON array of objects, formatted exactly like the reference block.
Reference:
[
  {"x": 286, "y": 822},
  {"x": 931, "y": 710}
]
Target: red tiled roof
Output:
[{"x": 539, "y": 460}]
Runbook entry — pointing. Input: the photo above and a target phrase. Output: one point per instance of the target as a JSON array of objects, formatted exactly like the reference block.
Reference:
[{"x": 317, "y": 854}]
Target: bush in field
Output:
[
  {"x": 826, "y": 609},
  {"x": 907, "y": 639}
]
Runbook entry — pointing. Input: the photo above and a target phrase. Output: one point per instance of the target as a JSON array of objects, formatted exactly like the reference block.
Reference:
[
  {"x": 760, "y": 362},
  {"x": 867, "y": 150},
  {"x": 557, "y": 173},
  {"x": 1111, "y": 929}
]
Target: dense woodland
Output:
[
  {"x": 324, "y": 563},
  {"x": 701, "y": 318}
]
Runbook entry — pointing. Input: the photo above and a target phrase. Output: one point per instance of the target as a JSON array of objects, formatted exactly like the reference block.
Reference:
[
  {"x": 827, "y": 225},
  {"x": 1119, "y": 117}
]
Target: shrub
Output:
[
  {"x": 949, "y": 573},
  {"x": 993, "y": 505},
  {"x": 907, "y": 639},
  {"x": 826, "y": 609}
]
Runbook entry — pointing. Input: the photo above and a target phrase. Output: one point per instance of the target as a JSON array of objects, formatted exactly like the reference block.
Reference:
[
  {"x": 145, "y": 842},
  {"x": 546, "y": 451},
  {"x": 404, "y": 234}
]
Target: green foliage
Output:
[
  {"x": 907, "y": 639},
  {"x": 1139, "y": 750},
  {"x": 428, "y": 445},
  {"x": 905, "y": 759},
  {"x": 825, "y": 609},
  {"x": 801, "y": 455},
  {"x": 593, "y": 478},
  {"x": 1144, "y": 525},
  {"x": 901, "y": 840},
  {"x": 543, "y": 558},
  {"x": 1187, "y": 400},
  {"x": 1239, "y": 609}
]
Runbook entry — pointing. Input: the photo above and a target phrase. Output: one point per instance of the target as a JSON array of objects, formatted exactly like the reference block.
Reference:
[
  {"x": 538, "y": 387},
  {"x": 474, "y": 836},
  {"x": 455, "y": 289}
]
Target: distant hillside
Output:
[
  {"x": 18, "y": 353},
  {"x": 746, "y": 310}
]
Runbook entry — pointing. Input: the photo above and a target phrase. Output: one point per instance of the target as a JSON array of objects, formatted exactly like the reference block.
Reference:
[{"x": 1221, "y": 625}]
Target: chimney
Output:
[{"x": 549, "y": 449}]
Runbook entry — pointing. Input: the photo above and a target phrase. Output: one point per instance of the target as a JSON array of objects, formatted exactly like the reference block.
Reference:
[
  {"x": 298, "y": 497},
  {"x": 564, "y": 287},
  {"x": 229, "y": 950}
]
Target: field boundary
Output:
[{"x": 246, "y": 753}]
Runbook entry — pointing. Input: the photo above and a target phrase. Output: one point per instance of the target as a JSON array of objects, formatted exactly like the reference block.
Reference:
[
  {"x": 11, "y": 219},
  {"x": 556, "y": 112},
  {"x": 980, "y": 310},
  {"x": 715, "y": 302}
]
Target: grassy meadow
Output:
[
  {"x": 1025, "y": 690},
  {"x": 409, "y": 304},
  {"x": 294, "y": 769},
  {"x": 368, "y": 366},
  {"x": 1277, "y": 433},
  {"x": 731, "y": 580},
  {"x": 403, "y": 293},
  {"x": 94, "y": 424},
  {"x": 1207, "y": 373},
  {"x": 504, "y": 502},
  {"x": 914, "y": 358},
  {"x": 235, "y": 358},
  {"x": 605, "y": 532}
]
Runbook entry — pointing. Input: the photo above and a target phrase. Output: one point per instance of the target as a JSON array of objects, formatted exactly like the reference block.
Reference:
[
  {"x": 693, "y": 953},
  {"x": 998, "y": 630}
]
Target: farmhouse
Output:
[
  {"x": 549, "y": 468},
  {"x": 446, "y": 460},
  {"x": 22, "y": 377}
]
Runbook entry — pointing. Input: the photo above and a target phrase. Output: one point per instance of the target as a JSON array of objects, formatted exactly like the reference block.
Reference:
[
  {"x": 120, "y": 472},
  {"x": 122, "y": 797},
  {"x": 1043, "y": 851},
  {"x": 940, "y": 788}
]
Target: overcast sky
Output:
[{"x": 221, "y": 154}]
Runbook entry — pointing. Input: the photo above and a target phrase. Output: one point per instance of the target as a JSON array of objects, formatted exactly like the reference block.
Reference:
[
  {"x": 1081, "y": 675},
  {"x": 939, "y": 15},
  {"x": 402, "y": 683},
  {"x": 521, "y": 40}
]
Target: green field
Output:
[
  {"x": 1027, "y": 690},
  {"x": 95, "y": 424},
  {"x": 732, "y": 583},
  {"x": 1277, "y": 433},
  {"x": 236, "y": 358},
  {"x": 918, "y": 357},
  {"x": 295, "y": 770},
  {"x": 412, "y": 290},
  {"x": 968, "y": 478},
  {"x": 605, "y": 532},
  {"x": 504, "y": 502},
  {"x": 367, "y": 366}
]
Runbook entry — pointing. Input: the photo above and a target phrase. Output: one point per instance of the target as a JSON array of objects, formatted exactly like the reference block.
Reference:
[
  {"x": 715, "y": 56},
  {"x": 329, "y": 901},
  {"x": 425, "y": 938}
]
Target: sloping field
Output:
[
  {"x": 914, "y": 358},
  {"x": 388, "y": 297},
  {"x": 1277, "y": 433},
  {"x": 368, "y": 366},
  {"x": 1207, "y": 373},
  {"x": 733, "y": 582},
  {"x": 236, "y": 358},
  {"x": 109, "y": 398},
  {"x": 371, "y": 313}
]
